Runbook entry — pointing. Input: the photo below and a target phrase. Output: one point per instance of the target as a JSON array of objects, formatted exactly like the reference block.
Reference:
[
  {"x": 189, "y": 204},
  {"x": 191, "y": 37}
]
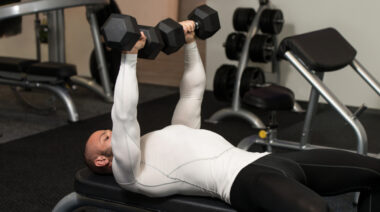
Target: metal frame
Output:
[
  {"x": 319, "y": 88},
  {"x": 55, "y": 9},
  {"x": 74, "y": 200},
  {"x": 236, "y": 109},
  {"x": 59, "y": 91}
]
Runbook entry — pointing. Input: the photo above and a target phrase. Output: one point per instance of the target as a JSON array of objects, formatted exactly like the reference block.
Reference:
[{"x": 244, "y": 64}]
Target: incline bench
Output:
[
  {"x": 49, "y": 76},
  {"x": 103, "y": 192}
]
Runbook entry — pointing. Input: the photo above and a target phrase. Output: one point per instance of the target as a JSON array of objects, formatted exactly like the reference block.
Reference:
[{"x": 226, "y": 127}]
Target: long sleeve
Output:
[
  {"x": 192, "y": 86},
  {"x": 126, "y": 130}
]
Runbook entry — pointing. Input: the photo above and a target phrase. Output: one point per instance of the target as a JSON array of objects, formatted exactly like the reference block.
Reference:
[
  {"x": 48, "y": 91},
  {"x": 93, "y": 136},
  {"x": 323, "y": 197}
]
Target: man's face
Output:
[{"x": 99, "y": 144}]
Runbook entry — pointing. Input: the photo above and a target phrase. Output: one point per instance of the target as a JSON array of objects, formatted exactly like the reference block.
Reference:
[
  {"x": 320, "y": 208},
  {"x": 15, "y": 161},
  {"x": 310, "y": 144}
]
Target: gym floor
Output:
[{"x": 41, "y": 153}]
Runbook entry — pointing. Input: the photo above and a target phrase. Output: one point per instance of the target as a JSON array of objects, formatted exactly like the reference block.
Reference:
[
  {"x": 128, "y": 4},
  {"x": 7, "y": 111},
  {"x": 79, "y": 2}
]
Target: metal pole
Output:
[
  {"x": 37, "y": 25},
  {"x": 244, "y": 57},
  {"x": 362, "y": 146},
  {"x": 359, "y": 68}
]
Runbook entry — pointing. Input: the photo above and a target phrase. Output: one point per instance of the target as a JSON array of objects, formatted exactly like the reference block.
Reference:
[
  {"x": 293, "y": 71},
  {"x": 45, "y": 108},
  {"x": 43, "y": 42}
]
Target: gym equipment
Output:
[
  {"x": 236, "y": 109},
  {"x": 103, "y": 191},
  {"x": 55, "y": 76},
  {"x": 10, "y": 26},
  {"x": 154, "y": 43},
  {"x": 113, "y": 58},
  {"x": 206, "y": 24},
  {"x": 307, "y": 53},
  {"x": 261, "y": 47},
  {"x": 120, "y": 32},
  {"x": 271, "y": 20},
  {"x": 225, "y": 78}
]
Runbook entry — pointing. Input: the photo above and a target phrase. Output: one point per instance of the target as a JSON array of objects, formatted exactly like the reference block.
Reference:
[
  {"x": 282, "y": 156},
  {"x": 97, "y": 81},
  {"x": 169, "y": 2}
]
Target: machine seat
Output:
[
  {"x": 104, "y": 187},
  {"x": 270, "y": 97},
  {"x": 12, "y": 64},
  {"x": 321, "y": 51},
  {"x": 52, "y": 69}
]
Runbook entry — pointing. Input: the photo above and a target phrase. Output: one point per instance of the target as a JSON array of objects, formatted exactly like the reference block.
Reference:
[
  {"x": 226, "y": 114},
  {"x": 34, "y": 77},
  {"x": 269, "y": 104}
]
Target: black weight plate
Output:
[
  {"x": 234, "y": 45},
  {"x": 112, "y": 58},
  {"x": 243, "y": 18},
  {"x": 252, "y": 76},
  {"x": 261, "y": 48},
  {"x": 224, "y": 82},
  {"x": 271, "y": 21}
]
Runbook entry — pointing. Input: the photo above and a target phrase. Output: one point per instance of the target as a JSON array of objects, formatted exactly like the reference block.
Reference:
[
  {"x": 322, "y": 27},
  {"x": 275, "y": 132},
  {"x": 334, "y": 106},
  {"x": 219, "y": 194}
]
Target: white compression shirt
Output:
[{"x": 180, "y": 158}]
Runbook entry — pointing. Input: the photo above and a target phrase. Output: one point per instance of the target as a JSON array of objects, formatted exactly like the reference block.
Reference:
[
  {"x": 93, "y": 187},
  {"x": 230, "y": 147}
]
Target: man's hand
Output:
[
  {"x": 139, "y": 45},
  {"x": 188, "y": 29}
]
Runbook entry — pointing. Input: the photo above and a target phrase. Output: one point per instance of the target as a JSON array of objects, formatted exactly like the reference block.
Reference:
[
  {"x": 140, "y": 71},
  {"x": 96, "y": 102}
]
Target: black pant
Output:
[{"x": 294, "y": 181}]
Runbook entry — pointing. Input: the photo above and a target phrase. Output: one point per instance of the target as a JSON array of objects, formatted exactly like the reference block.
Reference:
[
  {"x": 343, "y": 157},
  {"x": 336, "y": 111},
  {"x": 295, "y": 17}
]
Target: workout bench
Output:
[
  {"x": 103, "y": 192},
  {"x": 312, "y": 54},
  {"x": 50, "y": 76}
]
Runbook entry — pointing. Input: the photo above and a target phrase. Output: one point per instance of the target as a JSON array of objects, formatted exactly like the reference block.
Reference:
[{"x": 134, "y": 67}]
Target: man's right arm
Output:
[{"x": 126, "y": 129}]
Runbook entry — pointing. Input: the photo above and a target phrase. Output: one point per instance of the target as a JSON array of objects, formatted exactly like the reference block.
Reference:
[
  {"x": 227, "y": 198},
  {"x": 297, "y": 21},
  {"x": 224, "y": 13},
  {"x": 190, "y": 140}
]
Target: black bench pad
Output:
[
  {"x": 270, "y": 97},
  {"x": 322, "y": 50},
  {"x": 12, "y": 64},
  {"x": 105, "y": 188},
  {"x": 52, "y": 69}
]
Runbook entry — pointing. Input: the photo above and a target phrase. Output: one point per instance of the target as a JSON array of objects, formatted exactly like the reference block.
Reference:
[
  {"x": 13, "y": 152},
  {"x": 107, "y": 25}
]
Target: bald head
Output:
[{"x": 98, "y": 152}]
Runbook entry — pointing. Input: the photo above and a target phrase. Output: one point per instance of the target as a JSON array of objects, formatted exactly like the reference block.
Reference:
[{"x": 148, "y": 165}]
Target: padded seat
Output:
[
  {"x": 52, "y": 69},
  {"x": 270, "y": 97},
  {"x": 12, "y": 64},
  {"x": 322, "y": 50},
  {"x": 105, "y": 188}
]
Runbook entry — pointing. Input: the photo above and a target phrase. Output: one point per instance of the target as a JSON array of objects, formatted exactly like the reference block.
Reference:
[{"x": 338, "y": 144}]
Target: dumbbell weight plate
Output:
[
  {"x": 154, "y": 42},
  {"x": 271, "y": 21},
  {"x": 224, "y": 81},
  {"x": 261, "y": 48},
  {"x": 207, "y": 20},
  {"x": 243, "y": 18},
  {"x": 234, "y": 45},
  {"x": 112, "y": 58},
  {"x": 252, "y": 76}
]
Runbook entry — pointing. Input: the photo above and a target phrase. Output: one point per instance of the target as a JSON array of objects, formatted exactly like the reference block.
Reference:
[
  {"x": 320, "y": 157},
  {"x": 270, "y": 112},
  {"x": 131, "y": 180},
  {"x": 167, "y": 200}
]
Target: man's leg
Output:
[
  {"x": 261, "y": 188},
  {"x": 331, "y": 172}
]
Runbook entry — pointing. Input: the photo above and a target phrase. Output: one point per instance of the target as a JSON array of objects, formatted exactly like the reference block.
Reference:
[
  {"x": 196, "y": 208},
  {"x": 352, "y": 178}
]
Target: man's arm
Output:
[
  {"x": 126, "y": 130},
  {"x": 192, "y": 86}
]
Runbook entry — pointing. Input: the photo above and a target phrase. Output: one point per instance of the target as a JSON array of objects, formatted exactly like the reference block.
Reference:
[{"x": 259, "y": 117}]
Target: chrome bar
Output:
[
  {"x": 362, "y": 146},
  {"x": 52, "y": 18},
  {"x": 368, "y": 77},
  {"x": 311, "y": 110},
  {"x": 244, "y": 114},
  {"x": 104, "y": 77},
  {"x": 244, "y": 57},
  {"x": 37, "y": 26},
  {"x": 61, "y": 92},
  {"x": 61, "y": 36},
  {"x": 30, "y": 7},
  {"x": 92, "y": 85}
]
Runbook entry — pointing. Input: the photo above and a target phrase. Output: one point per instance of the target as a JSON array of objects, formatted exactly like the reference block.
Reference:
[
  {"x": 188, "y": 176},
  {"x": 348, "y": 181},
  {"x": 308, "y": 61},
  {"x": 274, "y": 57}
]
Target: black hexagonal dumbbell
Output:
[
  {"x": 206, "y": 24},
  {"x": 120, "y": 32},
  {"x": 154, "y": 42}
]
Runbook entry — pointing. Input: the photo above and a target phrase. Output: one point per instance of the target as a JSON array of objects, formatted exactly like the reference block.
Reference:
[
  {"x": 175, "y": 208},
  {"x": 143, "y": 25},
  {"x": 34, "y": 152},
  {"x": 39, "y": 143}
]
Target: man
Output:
[{"x": 184, "y": 159}]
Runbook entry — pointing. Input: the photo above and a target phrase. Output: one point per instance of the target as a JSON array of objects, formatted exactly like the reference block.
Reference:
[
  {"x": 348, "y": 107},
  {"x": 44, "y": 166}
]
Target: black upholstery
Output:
[
  {"x": 12, "y": 64},
  {"x": 270, "y": 97},
  {"x": 322, "y": 50},
  {"x": 105, "y": 188},
  {"x": 59, "y": 70}
]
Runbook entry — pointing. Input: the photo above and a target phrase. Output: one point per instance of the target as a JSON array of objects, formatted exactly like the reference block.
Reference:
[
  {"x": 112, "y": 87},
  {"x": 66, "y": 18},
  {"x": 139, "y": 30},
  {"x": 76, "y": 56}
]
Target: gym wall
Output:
[{"x": 355, "y": 20}]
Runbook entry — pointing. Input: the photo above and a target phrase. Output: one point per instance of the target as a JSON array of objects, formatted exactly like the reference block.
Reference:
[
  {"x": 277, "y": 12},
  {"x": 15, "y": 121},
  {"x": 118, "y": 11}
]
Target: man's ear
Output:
[{"x": 101, "y": 161}]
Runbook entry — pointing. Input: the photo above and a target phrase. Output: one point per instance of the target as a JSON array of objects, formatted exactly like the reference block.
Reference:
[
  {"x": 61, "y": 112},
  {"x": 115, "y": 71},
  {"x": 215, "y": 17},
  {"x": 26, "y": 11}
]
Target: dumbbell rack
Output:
[{"x": 236, "y": 109}]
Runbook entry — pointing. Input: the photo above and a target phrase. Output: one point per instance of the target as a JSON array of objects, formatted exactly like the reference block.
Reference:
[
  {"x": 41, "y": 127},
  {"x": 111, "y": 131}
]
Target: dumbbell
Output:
[
  {"x": 224, "y": 81},
  {"x": 261, "y": 48},
  {"x": 121, "y": 32},
  {"x": 206, "y": 22},
  {"x": 271, "y": 20}
]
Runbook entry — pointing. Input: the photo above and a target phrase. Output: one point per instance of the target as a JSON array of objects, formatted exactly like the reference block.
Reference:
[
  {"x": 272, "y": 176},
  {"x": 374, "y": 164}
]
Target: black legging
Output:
[{"x": 294, "y": 181}]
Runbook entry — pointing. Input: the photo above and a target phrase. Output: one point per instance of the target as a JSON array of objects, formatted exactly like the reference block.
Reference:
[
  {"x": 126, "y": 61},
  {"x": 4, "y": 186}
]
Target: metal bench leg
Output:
[{"x": 65, "y": 97}]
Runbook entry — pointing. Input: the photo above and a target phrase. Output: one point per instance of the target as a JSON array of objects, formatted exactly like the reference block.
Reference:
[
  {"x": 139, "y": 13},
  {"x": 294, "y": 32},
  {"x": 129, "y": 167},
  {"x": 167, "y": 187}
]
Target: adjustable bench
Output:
[
  {"x": 313, "y": 54},
  {"x": 102, "y": 191},
  {"x": 42, "y": 75}
]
